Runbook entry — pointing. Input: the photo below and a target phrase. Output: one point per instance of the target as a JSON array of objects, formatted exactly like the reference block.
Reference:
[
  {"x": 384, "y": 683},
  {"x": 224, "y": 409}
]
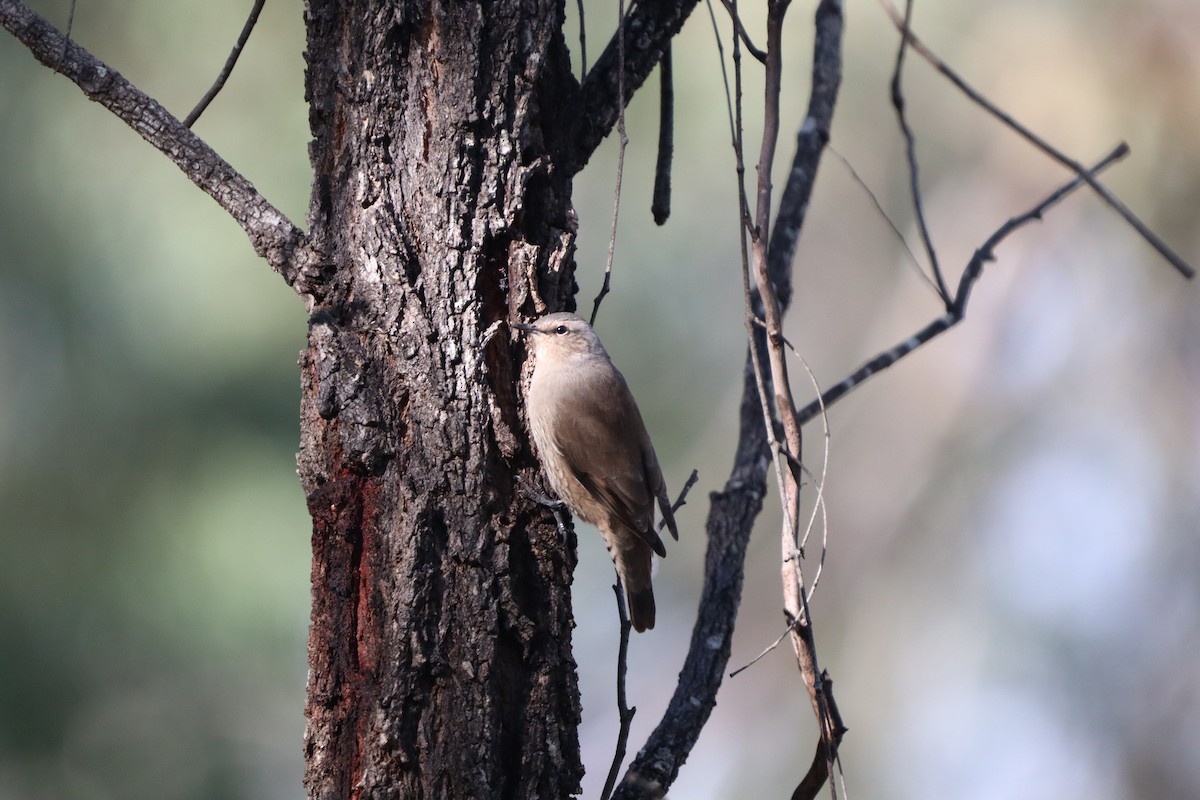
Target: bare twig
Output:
[
  {"x": 910, "y": 145},
  {"x": 819, "y": 505},
  {"x": 958, "y": 308},
  {"x": 912, "y": 259},
  {"x": 70, "y": 27},
  {"x": 273, "y": 236},
  {"x": 623, "y": 142},
  {"x": 741, "y": 33},
  {"x": 787, "y": 472},
  {"x": 1173, "y": 258},
  {"x": 624, "y": 712},
  {"x": 823, "y": 760},
  {"x": 219, "y": 83},
  {"x": 660, "y": 206},
  {"x": 582, "y": 42},
  {"x": 681, "y": 501},
  {"x": 712, "y": 15}
]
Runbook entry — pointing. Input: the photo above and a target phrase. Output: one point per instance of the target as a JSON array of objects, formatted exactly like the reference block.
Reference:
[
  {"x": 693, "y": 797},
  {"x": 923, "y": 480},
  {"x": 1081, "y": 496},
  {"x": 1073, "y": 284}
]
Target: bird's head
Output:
[{"x": 561, "y": 336}]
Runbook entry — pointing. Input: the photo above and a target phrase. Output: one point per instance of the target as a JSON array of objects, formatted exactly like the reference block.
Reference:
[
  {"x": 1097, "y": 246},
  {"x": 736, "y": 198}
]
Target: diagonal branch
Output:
[
  {"x": 648, "y": 30},
  {"x": 273, "y": 236},
  {"x": 958, "y": 308}
]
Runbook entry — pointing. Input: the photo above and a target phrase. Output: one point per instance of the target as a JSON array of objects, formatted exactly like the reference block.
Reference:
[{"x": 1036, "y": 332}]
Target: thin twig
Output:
[
  {"x": 741, "y": 33},
  {"x": 70, "y": 26},
  {"x": 623, "y": 141},
  {"x": 712, "y": 15},
  {"x": 624, "y": 712},
  {"x": 795, "y": 599},
  {"x": 910, "y": 145},
  {"x": 582, "y": 43},
  {"x": 227, "y": 70},
  {"x": 820, "y": 482},
  {"x": 1173, "y": 258},
  {"x": 819, "y": 505},
  {"x": 660, "y": 206},
  {"x": 681, "y": 501},
  {"x": 912, "y": 259},
  {"x": 958, "y": 308}
]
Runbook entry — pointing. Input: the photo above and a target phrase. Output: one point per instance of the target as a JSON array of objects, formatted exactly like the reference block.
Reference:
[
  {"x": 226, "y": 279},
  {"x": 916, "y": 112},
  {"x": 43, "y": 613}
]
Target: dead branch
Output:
[
  {"x": 623, "y": 142},
  {"x": 910, "y": 149},
  {"x": 734, "y": 509},
  {"x": 649, "y": 28},
  {"x": 1143, "y": 230},
  {"x": 660, "y": 204},
  {"x": 958, "y": 308}
]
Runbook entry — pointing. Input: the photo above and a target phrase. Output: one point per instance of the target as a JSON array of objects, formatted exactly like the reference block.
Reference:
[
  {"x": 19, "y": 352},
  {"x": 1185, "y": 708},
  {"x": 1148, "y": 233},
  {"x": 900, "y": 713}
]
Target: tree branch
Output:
[
  {"x": 273, "y": 236},
  {"x": 1143, "y": 230},
  {"x": 734, "y": 509},
  {"x": 810, "y": 144},
  {"x": 624, "y": 712},
  {"x": 958, "y": 308},
  {"x": 648, "y": 30},
  {"x": 910, "y": 148}
]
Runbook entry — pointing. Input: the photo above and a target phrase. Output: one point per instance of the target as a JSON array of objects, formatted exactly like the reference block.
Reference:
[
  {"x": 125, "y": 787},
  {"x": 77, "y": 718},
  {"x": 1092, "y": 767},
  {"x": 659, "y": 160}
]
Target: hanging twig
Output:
[
  {"x": 227, "y": 70},
  {"x": 660, "y": 206},
  {"x": 910, "y": 146}
]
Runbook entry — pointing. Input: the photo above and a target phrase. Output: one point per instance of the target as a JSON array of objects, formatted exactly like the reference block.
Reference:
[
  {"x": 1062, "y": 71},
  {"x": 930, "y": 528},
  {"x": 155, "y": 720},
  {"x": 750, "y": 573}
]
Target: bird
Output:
[{"x": 595, "y": 451}]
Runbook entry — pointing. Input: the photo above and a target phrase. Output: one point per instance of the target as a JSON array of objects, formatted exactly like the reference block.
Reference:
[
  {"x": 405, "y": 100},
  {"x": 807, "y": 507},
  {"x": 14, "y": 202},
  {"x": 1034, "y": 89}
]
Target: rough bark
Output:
[{"x": 440, "y": 644}]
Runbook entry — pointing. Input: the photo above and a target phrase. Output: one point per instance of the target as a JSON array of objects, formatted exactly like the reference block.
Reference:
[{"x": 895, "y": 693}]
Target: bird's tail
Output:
[{"x": 633, "y": 565}]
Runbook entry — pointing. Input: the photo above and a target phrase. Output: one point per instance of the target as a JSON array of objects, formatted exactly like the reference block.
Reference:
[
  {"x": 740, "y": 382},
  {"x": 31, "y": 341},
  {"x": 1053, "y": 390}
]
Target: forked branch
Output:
[
  {"x": 1143, "y": 230},
  {"x": 958, "y": 307}
]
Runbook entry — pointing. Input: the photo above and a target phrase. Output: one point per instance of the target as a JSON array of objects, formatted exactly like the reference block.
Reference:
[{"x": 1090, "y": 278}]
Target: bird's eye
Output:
[{"x": 561, "y": 329}]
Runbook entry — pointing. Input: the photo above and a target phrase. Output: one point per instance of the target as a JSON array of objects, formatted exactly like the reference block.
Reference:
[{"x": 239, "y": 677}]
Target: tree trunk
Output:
[{"x": 440, "y": 647}]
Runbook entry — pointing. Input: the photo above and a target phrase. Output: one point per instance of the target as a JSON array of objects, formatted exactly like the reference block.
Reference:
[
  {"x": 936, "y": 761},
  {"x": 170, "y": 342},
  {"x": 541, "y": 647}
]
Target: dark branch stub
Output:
[{"x": 660, "y": 207}]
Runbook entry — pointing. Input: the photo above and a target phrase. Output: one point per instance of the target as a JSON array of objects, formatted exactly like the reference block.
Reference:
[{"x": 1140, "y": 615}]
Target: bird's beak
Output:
[{"x": 523, "y": 326}]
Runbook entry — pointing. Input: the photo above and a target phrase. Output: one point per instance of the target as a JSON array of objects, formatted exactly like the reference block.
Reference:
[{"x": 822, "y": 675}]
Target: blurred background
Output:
[{"x": 1010, "y": 605}]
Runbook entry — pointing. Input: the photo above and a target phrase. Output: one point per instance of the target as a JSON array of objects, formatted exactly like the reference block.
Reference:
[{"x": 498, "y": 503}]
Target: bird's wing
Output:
[
  {"x": 655, "y": 480},
  {"x": 603, "y": 445}
]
